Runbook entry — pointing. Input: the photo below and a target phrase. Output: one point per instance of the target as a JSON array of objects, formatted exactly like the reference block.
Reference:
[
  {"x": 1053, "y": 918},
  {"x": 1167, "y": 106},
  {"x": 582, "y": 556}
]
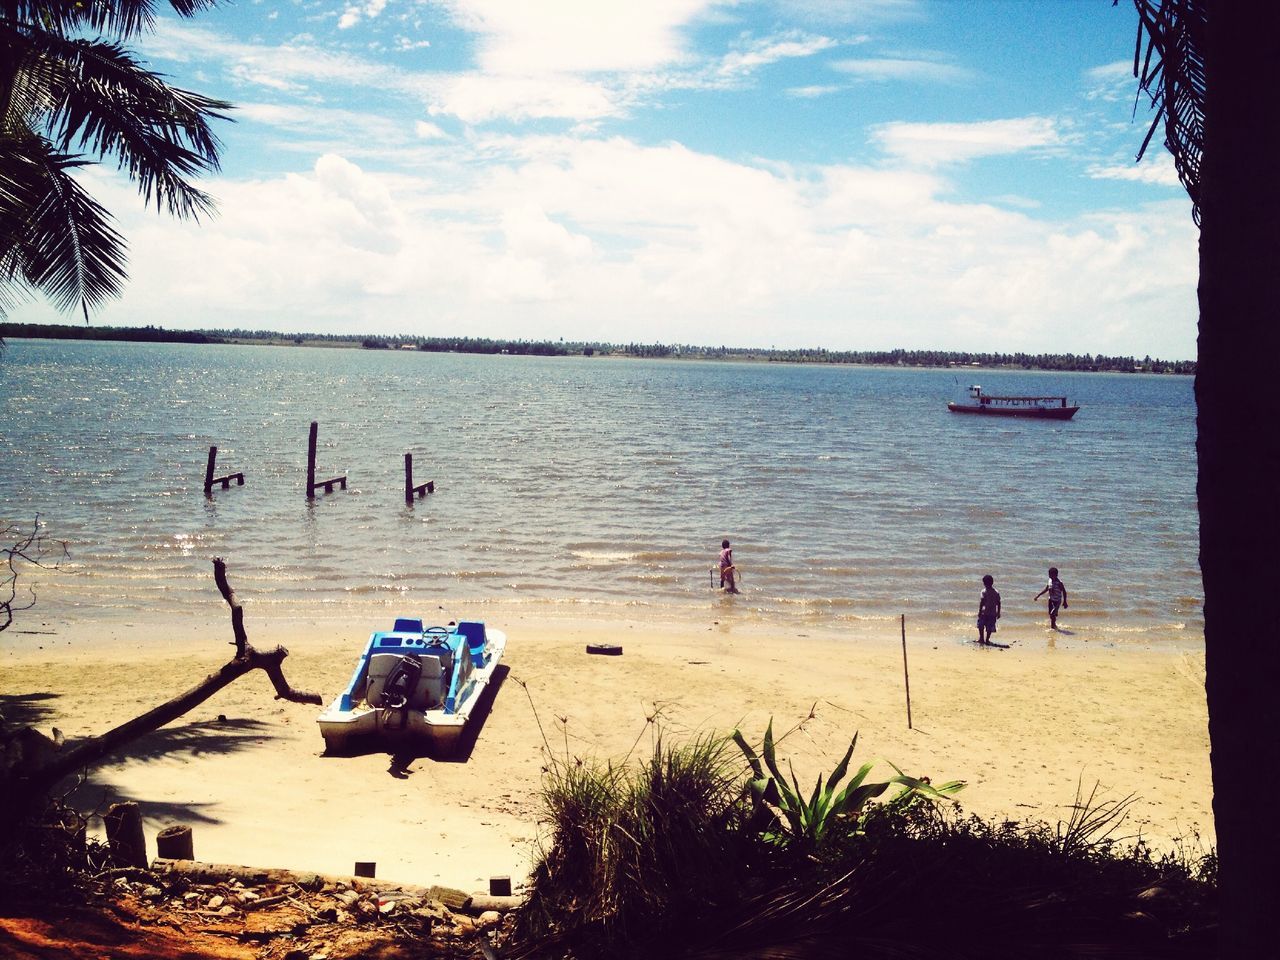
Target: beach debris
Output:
[
  {"x": 175, "y": 843},
  {"x": 605, "y": 649},
  {"x": 286, "y": 915},
  {"x": 123, "y": 823},
  {"x": 29, "y": 771}
]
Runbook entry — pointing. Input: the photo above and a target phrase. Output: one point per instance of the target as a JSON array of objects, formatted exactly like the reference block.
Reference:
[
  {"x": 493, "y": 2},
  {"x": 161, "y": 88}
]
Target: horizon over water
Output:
[{"x": 597, "y": 487}]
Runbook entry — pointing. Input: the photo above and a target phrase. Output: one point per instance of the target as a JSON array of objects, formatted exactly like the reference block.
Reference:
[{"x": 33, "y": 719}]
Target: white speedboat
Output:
[{"x": 415, "y": 687}]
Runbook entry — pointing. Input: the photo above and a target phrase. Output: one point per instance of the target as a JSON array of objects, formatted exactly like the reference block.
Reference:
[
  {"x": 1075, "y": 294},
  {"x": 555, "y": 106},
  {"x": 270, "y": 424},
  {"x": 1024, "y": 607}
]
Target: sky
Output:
[{"x": 846, "y": 174}]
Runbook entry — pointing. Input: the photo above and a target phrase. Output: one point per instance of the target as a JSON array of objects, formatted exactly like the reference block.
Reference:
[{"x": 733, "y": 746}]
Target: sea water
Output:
[{"x": 589, "y": 486}]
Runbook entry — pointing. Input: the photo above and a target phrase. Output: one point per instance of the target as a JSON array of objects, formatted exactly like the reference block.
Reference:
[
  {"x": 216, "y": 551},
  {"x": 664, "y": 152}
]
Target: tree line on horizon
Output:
[{"x": 1084, "y": 362}]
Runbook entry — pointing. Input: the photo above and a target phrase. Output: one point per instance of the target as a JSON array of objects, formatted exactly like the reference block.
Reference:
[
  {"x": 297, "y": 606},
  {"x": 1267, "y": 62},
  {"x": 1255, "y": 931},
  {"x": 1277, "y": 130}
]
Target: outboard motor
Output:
[{"x": 397, "y": 690}]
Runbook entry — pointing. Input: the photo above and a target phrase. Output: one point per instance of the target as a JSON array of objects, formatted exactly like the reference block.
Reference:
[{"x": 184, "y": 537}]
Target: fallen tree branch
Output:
[
  {"x": 237, "y": 612},
  {"x": 87, "y": 753},
  {"x": 29, "y": 548}
]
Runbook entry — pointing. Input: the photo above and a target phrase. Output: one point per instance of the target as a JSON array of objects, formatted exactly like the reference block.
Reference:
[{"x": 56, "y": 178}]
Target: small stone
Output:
[
  {"x": 226, "y": 911},
  {"x": 488, "y": 919},
  {"x": 348, "y": 897},
  {"x": 248, "y": 896},
  {"x": 190, "y": 895},
  {"x": 217, "y": 901},
  {"x": 386, "y": 906},
  {"x": 152, "y": 893},
  {"x": 365, "y": 907},
  {"x": 433, "y": 912}
]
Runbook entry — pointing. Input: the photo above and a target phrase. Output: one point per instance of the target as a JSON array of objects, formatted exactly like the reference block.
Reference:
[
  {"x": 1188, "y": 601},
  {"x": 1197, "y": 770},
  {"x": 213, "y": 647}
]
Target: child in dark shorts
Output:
[
  {"x": 988, "y": 609},
  {"x": 1057, "y": 591}
]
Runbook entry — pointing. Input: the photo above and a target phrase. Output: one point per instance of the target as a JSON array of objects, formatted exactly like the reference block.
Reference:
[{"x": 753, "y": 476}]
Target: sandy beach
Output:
[{"x": 1023, "y": 726}]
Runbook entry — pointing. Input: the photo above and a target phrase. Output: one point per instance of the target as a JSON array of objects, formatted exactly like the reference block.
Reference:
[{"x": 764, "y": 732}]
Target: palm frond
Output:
[
  {"x": 1171, "y": 72},
  {"x": 119, "y": 18},
  {"x": 107, "y": 103},
  {"x": 54, "y": 237},
  {"x": 66, "y": 100}
]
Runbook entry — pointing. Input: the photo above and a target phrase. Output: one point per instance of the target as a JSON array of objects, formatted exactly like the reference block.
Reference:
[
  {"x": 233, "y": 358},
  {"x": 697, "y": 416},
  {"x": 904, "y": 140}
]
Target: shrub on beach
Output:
[
  {"x": 642, "y": 851},
  {"x": 636, "y": 848},
  {"x": 692, "y": 852}
]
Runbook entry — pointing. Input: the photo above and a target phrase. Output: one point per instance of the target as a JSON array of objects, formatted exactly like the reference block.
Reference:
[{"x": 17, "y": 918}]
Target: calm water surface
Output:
[{"x": 591, "y": 485}]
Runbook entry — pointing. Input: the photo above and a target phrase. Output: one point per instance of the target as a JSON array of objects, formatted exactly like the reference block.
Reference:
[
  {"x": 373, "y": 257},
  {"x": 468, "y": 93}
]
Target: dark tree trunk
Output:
[{"x": 1239, "y": 458}]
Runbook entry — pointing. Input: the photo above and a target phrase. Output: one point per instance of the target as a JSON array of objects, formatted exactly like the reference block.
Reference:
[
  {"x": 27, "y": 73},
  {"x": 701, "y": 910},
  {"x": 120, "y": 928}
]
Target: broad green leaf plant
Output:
[{"x": 806, "y": 821}]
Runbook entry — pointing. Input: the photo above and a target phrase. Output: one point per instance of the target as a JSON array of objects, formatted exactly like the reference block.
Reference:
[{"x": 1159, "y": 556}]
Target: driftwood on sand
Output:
[{"x": 31, "y": 763}]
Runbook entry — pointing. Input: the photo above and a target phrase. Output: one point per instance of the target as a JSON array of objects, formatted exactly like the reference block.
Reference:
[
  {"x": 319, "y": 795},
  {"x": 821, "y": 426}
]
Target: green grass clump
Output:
[
  {"x": 635, "y": 848},
  {"x": 695, "y": 851}
]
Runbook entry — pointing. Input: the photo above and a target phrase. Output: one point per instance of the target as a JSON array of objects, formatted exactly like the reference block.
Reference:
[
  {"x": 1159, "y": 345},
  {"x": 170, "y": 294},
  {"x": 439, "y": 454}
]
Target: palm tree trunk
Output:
[{"x": 1238, "y": 447}]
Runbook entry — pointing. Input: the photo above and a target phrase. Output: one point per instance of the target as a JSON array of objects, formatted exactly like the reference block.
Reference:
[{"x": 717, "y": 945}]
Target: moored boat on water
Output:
[
  {"x": 1045, "y": 408},
  {"x": 414, "y": 687}
]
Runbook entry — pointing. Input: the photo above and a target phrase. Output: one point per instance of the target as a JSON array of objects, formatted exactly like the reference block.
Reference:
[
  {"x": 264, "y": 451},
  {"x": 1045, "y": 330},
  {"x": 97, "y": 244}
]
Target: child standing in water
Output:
[
  {"x": 988, "y": 609},
  {"x": 1057, "y": 596},
  {"x": 727, "y": 579}
]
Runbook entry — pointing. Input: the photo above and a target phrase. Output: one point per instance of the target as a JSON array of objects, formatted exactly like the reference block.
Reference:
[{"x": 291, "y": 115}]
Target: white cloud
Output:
[
  {"x": 354, "y": 12},
  {"x": 285, "y": 66},
  {"x": 577, "y": 36},
  {"x": 429, "y": 131},
  {"x": 1111, "y": 82},
  {"x": 328, "y": 128},
  {"x": 477, "y": 97},
  {"x": 1156, "y": 167},
  {"x": 886, "y": 69},
  {"x": 596, "y": 238},
  {"x": 936, "y": 144},
  {"x": 850, "y": 11},
  {"x": 764, "y": 52},
  {"x": 811, "y": 92}
]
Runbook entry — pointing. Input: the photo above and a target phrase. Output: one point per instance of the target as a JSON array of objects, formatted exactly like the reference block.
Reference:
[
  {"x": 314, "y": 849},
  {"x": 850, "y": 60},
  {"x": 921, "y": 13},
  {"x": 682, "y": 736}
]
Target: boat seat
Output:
[
  {"x": 473, "y": 632},
  {"x": 429, "y": 691},
  {"x": 380, "y": 667},
  {"x": 407, "y": 625}
]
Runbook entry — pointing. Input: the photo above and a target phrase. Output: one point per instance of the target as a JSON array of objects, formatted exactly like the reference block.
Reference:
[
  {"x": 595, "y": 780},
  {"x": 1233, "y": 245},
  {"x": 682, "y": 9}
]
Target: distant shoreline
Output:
[{"x": 943, "y": 359}]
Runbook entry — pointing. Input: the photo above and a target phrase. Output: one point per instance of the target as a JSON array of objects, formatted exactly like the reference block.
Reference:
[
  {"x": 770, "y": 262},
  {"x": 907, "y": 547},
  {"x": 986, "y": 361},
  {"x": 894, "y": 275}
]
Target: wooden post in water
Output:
[
  {"x": 906, "y": 675},
  {"x": 210, "y": 479},
  {"x": 311, "y": 459},
  {"x": 410, "y": 490},
  {"x": 312, "y": 482}
]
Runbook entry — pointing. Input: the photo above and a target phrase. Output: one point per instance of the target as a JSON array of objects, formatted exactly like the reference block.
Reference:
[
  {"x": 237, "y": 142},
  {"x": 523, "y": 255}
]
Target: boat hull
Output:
[
  {"x": 1028, "y": 413},
  {"x": 362, "y": 728},
  {"x": 351, "y": 725}
]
